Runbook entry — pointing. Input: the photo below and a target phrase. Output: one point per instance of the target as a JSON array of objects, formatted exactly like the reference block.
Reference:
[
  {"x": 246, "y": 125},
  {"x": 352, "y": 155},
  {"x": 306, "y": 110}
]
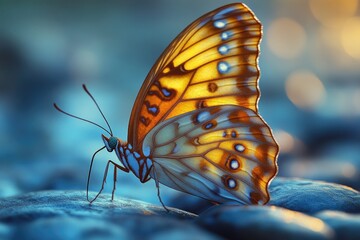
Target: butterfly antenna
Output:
[
  {"x": 97, "y": 105},
  {"x": 82, "y": 119}
]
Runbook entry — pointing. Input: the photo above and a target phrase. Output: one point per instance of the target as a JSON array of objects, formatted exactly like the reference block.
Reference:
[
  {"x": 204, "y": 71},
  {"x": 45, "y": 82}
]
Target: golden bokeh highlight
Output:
[
  {"x": 301, "y": 220},
  {"x": 350, "y": 37},
  {"x": 289, "y": 144},
  {"x": 285, "y": 141},
  {"x": 305, "y": 89},
  {"x": 333, "y": 13},
  {"x": 286, "y": 38},
  {"x": 348, "y": 170}
]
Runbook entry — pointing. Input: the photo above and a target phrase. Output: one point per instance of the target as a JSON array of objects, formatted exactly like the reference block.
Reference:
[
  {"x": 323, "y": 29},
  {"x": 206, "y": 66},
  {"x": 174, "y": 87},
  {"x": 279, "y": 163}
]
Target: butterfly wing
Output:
[
  {"x": 222, "y": 153},
  {"x": 212, "y": 62}
]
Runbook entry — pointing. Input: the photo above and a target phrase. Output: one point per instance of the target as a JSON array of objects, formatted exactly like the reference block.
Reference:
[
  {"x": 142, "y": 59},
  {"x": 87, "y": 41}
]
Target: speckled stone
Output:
[
  {"x": 67, "y": 215},
  {"x": 310, "y": 196},
  {"x": 262, "y": 222},
  {"x": 345, "y": 225}
]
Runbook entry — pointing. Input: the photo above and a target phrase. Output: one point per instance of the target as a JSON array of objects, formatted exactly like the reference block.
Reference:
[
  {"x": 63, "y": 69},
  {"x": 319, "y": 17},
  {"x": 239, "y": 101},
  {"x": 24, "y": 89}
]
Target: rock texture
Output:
[
  {"x": 67, "y": 215},
  {"x": 260, "y": 222},
  {"x": 309, "y": 196},
  {"x": 299, "y": 209},
  {"x": 345, "y": 225}
]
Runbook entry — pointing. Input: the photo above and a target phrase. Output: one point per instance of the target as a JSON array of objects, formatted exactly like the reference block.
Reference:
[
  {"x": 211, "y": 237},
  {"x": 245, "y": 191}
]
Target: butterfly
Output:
[{"x": 195, "y": 125}]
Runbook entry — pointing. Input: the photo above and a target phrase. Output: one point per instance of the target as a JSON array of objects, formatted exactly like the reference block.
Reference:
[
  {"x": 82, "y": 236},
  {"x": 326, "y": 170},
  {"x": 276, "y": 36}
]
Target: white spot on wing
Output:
[
  {"x": 220, "y": 23},
  {"x": 223, "y": 49},
  {"x": 231, "y": 183},
  {"x": 225, "y": 35},
  {"x": 223, "y": 67},
  {"x": 239, "y": 147},
  {"x": 234, "y": 164}
]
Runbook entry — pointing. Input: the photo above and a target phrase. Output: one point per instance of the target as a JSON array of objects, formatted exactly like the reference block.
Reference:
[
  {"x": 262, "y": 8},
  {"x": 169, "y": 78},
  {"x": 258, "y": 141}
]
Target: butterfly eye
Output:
[{"x": 112, "y": 142}]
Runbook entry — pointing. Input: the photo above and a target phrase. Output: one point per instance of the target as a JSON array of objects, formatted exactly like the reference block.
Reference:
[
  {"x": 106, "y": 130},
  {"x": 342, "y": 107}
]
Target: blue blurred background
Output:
[{"x": 310, "y": 63}]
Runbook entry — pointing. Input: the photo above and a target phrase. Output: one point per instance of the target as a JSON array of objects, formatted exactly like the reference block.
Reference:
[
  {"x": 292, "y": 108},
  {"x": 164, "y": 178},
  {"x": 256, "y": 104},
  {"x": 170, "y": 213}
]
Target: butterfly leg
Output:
[
  {"x": 114, "y": 186},
  {"x": 105, "y": 176},
  {"x": 158, "y": 189}
]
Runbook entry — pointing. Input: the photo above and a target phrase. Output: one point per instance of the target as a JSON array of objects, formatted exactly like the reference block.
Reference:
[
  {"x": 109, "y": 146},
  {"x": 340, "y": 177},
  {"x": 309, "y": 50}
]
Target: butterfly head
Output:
[{"x": 110, "y": 143}]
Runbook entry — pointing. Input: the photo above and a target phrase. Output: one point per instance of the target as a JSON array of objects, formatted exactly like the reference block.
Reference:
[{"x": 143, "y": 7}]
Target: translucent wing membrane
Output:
[
  {"x": 221, "y": 153},
  {"x": 212, "y": 62}
]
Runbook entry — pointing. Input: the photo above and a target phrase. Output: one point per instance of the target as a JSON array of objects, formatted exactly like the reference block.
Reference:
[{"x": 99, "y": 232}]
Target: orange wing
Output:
[{"x": 213, "y": 62}]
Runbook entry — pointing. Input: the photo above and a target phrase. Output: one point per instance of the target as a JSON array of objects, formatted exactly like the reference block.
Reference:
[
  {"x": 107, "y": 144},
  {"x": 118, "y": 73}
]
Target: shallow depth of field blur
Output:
[{"x": 310, "y": 85}]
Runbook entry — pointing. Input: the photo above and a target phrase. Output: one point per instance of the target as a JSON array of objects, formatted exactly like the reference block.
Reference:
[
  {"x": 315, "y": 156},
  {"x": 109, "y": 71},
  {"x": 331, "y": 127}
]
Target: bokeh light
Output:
[
  {"x": 348, "y": 170},
  {"x": 333, "y": 13},
  {"x": 306, "y": 222},
  {"x": 305, "y": 89},
  {"x": 350, "y": 37},
  {"x": 84, "y": 64},
  {"x": 289, "y": 144},
  {"x": 286, "y": 38},
  {"x": 322, "y": 168},
  {"x": 285, "y": 141}
]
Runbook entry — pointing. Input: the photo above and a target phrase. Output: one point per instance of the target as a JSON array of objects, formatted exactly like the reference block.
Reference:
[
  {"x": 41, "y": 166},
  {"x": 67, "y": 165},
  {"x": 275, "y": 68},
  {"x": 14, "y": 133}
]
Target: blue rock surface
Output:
[
  {"x": 346, "y": 225},
  {"x": 309, "y": 196},
  {"x": 299, "y": 209},
  {"x": 262, "y": 222},
  {"x": 67, "y": 215}
]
